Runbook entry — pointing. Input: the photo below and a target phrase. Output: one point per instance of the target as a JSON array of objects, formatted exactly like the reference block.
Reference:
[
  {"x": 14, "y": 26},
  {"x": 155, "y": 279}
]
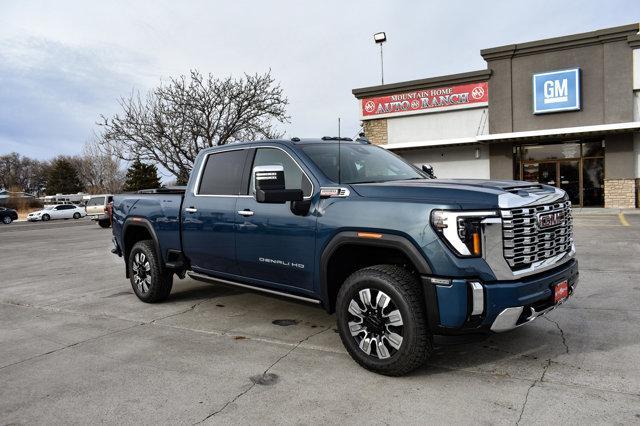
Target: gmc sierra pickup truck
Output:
[{"x": 354, "y": 228}]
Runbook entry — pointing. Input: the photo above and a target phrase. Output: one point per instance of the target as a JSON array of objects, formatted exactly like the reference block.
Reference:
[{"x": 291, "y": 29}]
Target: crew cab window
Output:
[
  {"x": 222, "y": 173},
  {"x": 97, "y": 201},
  {"x": 294, "y": 177}
]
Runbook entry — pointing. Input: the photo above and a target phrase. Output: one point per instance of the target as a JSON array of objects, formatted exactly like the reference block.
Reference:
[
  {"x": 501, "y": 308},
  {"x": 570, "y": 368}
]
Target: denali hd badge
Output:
[{"x": 546, "y": 220}]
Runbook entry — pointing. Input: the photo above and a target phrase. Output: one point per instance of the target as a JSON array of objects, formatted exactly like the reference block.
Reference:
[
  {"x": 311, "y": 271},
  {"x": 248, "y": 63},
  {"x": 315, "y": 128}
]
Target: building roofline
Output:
[
  {"x": 424, "y": 83},
  {"x": 560, "y": 43},
  {"x": 566, "y": 132}
]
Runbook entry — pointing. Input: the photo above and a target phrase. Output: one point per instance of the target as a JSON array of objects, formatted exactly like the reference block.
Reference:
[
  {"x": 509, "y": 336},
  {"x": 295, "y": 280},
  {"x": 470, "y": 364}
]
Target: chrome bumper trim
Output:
[{"x": 508, "y": 318}]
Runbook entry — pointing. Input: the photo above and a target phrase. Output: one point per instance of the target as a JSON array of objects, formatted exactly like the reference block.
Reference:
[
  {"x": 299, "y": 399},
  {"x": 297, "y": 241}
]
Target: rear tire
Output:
[
  {"x": 46, "y": 217},
  {"x": 76, "y": 215},
  {"x": 386, "y": 330},
  {"x": 7, "y": 220},
  {"x": 150, "y": 282},
  {"x": 104, "y": 223}
]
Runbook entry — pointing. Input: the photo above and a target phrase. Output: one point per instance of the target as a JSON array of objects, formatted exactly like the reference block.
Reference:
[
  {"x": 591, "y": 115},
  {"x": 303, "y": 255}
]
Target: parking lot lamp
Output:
[{"x": 380, "y": 38}]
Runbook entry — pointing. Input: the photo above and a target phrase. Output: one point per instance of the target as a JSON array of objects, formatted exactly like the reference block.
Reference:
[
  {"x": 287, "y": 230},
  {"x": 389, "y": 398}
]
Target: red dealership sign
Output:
[{"x": 427, "y": 100}]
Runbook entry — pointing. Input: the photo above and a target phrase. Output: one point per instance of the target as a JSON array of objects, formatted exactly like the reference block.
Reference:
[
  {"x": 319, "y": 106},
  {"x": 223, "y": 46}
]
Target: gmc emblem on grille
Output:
[{"x": 547, "y": 220}]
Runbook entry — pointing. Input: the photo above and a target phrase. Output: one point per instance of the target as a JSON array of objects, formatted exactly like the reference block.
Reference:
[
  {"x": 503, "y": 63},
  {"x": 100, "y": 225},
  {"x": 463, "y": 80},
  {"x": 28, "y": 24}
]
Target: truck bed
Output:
[{"x": 160, "y": 209}]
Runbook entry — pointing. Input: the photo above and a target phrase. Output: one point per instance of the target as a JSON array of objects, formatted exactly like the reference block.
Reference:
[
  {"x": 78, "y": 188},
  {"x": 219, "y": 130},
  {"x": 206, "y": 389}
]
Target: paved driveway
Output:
[{"x": 76, "y": 346}]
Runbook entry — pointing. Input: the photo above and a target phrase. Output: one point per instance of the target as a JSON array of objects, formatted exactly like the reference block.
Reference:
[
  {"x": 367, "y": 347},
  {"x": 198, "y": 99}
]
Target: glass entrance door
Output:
[{"x": 569, "y": 172}]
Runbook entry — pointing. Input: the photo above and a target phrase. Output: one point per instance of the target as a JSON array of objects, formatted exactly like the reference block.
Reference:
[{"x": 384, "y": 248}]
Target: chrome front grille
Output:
[{"x": 526, "y": 242}]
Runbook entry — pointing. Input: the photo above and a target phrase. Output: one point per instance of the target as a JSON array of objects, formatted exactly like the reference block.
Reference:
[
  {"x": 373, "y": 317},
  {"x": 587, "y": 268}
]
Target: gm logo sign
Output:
[{"x": 556, "y": 91}]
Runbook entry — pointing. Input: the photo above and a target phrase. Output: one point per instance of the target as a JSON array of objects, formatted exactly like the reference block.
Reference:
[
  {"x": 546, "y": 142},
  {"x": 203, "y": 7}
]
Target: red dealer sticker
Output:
[{"x": 436, "y": 98}]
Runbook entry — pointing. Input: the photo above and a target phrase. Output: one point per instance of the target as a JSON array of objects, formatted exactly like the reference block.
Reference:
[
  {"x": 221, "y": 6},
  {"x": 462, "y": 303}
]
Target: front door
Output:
[
  {"x": 275, "y": 246},
  {"x": 209, "y": 213}
]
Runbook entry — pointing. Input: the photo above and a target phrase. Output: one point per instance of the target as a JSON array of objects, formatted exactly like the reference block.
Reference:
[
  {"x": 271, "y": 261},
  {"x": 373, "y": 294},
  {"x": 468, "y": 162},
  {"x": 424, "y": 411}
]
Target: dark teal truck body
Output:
[{"x": 215, "y": 229}]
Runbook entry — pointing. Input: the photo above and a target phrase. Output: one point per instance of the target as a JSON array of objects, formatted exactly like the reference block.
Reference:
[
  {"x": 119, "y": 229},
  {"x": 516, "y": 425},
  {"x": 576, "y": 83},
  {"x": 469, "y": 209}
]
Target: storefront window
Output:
[
  {"x": 576, "y": 167},
  {"x": 593, "y": 149},
  {"x": 592, "y": 182},
  {"x": 550, "y": 152}
]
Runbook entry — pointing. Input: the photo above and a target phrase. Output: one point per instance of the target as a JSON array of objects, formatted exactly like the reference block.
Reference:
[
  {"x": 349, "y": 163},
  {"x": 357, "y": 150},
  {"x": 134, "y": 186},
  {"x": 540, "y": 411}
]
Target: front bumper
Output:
[{"x": 505, "y": 305}]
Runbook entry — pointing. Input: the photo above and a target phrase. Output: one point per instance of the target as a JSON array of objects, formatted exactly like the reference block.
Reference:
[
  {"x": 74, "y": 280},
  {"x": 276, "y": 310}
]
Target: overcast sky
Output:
[{"x": 63, "y": 63}]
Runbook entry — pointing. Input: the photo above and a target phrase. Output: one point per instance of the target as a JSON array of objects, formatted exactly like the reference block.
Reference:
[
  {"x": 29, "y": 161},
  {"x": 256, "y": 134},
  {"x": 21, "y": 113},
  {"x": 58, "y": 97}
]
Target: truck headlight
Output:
[{"x": 461, "y": 230}]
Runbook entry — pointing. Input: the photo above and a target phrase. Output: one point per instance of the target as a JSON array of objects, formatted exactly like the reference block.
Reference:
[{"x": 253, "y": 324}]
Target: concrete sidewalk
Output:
[{"x": 589, "y": 211}]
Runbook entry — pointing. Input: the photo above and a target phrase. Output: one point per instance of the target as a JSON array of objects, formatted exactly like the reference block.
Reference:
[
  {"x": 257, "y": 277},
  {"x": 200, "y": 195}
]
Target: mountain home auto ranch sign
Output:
[{"x": 427, "y": 100}]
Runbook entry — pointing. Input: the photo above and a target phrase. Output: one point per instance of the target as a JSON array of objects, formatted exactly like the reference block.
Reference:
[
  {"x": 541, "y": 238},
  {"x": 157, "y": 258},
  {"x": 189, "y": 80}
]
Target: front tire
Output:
[
  {"x": 46, "y": 217},
  {"x": 382, "y": 320},
  {"x": 7, "y": 220},
  {"x": 104, "y": 223},
  {"x": 150, "y": 282}
]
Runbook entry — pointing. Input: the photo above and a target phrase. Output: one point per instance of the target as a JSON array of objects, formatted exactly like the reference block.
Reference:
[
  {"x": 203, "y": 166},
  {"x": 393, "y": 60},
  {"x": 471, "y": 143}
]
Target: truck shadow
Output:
[{"x": 523, "y": 352}]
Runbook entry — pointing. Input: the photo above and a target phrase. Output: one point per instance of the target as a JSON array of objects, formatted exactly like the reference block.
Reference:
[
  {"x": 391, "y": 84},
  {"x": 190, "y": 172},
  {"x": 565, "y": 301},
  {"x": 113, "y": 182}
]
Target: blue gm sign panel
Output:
[{"x": 556, "y": 91}]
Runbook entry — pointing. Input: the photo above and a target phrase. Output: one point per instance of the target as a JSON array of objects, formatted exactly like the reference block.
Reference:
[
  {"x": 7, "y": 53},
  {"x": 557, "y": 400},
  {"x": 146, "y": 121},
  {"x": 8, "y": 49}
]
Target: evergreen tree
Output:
[
  {"x": 63, "y": 177},
  {"x": 141, "y": 176}
]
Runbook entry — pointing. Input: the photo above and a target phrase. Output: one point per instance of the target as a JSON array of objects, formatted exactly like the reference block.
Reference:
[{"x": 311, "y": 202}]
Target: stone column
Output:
[{"x": 376, "y": 131}]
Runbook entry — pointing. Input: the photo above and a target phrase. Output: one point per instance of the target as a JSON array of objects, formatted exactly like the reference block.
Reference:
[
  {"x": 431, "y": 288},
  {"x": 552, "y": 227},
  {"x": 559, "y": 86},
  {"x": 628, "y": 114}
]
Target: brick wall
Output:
[
  {"x": 620, "y": 193},
  {"x": 376, "y": 131}
]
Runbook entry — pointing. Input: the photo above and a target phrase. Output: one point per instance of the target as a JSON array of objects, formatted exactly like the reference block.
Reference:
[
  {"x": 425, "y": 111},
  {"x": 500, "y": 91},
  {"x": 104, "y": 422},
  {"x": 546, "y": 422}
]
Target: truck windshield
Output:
[{"x": 360, "y": 163}]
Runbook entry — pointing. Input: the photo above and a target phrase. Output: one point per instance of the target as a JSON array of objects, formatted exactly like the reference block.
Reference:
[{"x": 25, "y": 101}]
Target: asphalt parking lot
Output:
[{"x": 76, "y": 346}]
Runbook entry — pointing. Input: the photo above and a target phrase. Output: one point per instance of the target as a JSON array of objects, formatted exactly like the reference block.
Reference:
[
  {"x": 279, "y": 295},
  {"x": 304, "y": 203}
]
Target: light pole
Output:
[{"x": 380, "y": 38}]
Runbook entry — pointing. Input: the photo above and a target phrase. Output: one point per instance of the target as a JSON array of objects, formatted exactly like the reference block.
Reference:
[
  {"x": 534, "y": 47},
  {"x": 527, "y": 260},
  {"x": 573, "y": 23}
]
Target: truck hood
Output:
[{"x": 462, "y": 193}]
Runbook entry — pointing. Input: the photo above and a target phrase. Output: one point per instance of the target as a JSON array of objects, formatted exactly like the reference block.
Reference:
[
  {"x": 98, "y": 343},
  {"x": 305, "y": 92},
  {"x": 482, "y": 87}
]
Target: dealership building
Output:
[{"x": 563, "y": 111}]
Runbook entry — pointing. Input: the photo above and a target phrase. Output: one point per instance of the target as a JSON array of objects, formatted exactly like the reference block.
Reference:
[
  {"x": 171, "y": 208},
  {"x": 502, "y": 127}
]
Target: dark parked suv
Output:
[
  {"x": 354, "y": 228},
  {"x": 8, "y": 215}
]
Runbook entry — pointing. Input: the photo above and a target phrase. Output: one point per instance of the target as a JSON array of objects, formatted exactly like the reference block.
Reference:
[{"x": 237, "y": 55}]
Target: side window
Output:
[
  {"x": 97, "y": 201},
  {"x": 222, "y": 173},
  {"x": 294, "y": 178}
]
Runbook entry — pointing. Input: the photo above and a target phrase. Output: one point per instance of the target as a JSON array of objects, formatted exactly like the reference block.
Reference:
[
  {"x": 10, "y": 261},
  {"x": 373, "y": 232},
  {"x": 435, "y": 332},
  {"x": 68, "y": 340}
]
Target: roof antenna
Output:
[{"x": 339, "y": 159}]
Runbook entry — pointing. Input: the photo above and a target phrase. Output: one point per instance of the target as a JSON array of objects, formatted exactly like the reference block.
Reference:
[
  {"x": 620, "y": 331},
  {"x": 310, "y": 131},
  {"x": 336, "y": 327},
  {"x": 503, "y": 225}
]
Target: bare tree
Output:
[
  {"x": 26, "y": 174},
  {"x": 99, "y": 169},
  {"x": 173, "y": 122}
]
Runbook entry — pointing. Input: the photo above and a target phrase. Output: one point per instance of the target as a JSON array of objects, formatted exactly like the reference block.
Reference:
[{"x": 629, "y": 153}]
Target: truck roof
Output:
[{"x": 295, "y": 141}]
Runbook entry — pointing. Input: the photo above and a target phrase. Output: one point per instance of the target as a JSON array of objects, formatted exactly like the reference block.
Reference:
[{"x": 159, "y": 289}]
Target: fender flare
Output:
[
  {"x": 139, "y": 222},
  {"x": 386, "y": 241}
]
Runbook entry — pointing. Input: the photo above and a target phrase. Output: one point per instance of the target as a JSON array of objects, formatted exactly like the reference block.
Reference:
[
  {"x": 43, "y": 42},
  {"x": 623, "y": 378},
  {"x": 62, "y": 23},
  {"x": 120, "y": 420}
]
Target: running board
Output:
[{"x": 211, "y": 280}]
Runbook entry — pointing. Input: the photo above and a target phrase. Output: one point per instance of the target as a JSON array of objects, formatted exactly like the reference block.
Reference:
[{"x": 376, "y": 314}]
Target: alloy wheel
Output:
[
  {"x": 142, "y": 272},
  {"x": 376, "y": 323},
  {"x": 6, "y": 220}
]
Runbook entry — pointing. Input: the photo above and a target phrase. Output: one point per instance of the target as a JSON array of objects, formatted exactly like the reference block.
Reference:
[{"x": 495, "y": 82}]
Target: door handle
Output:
[
  {"x": 245, "y": 213},
  {"x": 190, "y": 210}
]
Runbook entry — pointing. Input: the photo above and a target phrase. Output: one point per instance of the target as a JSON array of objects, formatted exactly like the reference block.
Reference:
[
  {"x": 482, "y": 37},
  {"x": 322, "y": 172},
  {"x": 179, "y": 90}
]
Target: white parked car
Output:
[{"x": 61, "y": 211}]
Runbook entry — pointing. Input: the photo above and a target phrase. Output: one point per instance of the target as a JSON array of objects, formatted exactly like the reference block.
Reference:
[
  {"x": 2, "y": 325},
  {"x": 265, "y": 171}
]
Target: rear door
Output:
[
  {"x": 58, "y": 212},
  {"x": 67, "y": 211},
  {"x": 209, "y": 213},
  {"x": 273, "y": 244}
]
